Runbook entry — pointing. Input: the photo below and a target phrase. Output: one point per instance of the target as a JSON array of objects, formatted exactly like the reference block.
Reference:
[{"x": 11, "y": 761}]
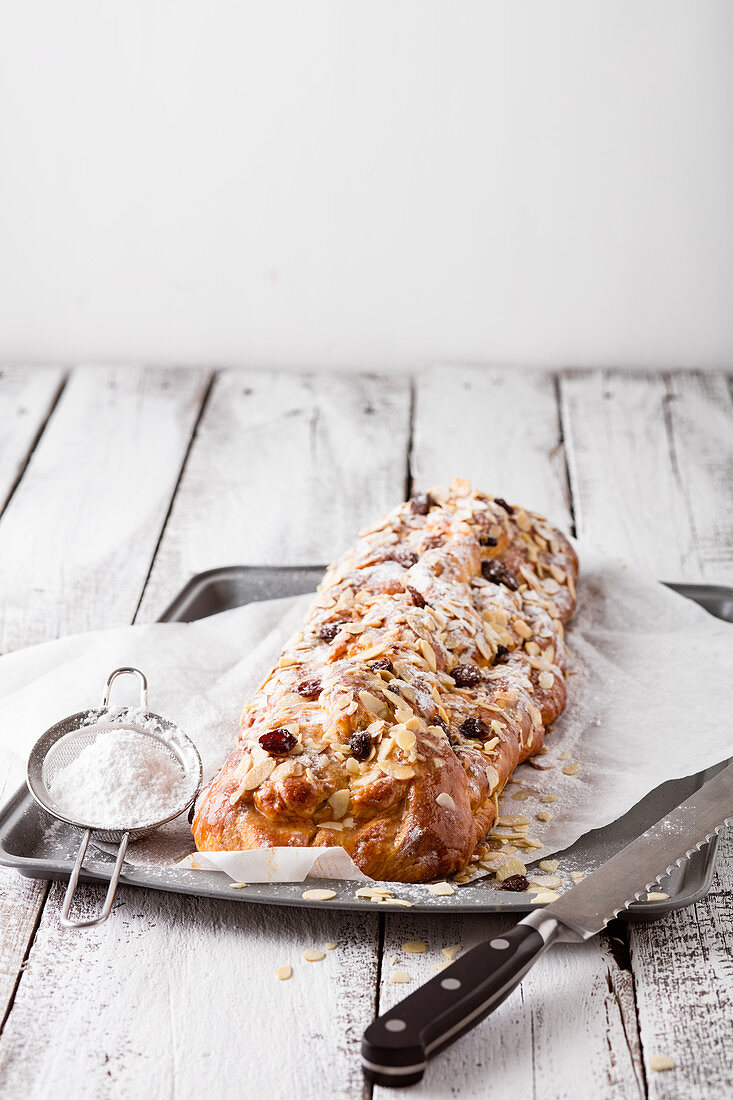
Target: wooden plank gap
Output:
[
  {"x": 39, "y": 902},
  {"x": 23, "y": 466},
  {"x": 561, "y": 452}
]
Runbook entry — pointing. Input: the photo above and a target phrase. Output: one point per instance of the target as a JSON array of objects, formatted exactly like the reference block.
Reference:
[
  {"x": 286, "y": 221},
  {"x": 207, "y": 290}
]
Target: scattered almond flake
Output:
[
  {"x": 576, "y": 876},
  {"x": 564, "y": 756},
  {"x": 331, "y": 945},
  {"x": 571, "y": 769},
  {"x": 399, "y": 977},
  {"x": 530, "y": 842},
  {"x": 282, "y": 973},
  {"x": 657, "y": 895},
  {"x": 551, "y": 882},
  {"x": 374, "y": 705},
  {"x": 544, "y": 815},
  {"x": 352, "y": 766},
  {"x": 393, "y": 960},
  {"x": 545, "y": 897},
  {"x": 318, "y": 895},
  {"x": 512, "y": 819},
  {"x": 237, "y": 885},
  {"x": 441, "y": 965},
  {"x": 548, "y": 798},
  {"x": 398, "y": 901},
  {"x": 440, "y": 889},
  {"x": 550, "y": 865},
  {"x": 450, "y": 952},
  {"x": 415, "y": 947},
  {"x": 509, "y": 868},
  {"x": 546, "y": 680},
  {"x": 372, "y": 892},
  {"x": 336, "y": 826},
  {"x": 312, "y": 956},
  {"x": 522, "y": 629},
  {"x": 660, "y": 1062},
  {"x": 444, "y": 799}
]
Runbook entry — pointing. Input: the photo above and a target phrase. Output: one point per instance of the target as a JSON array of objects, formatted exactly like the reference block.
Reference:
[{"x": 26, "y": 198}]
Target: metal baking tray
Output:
[{"x": 32, "y": 847}]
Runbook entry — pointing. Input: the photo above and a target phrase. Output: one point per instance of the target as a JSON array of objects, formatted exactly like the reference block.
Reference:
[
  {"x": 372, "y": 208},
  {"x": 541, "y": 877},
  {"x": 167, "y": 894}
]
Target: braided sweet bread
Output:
[{"x": 430, "y": 664}]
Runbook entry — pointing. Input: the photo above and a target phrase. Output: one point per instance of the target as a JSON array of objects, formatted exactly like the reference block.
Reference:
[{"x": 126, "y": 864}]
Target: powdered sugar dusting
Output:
[{"x": 123, "y": 779}]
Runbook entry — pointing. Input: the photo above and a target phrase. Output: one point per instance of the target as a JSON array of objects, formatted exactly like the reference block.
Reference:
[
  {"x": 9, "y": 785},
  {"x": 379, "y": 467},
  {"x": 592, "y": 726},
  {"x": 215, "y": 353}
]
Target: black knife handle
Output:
[{"x": 396, "y": 1046}]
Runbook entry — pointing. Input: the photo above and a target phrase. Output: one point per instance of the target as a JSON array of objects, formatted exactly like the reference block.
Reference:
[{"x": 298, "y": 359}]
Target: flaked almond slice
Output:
[
  {"x": 564, "y": 756},
  {"x": 399, "y": 977},
  {"x": 331, "y": 945},
  {"x": 548, "y": 798},
  {"x": 398, "y": 901},
  {"x": 450, "y": 952},
  {"x": 406, "y": 739},
  {"x": 657, "y": 895},
  {"x": 522, "y": 629},
  {"x": 318, "y": 895},
  {"x": 535, "y": 715},
  {"x": 661, "y": 1062},
  {"x": 441, "y": 889},
  {"x": 576, "y": 876},
  {"x": 282, "y": 973},
  {"x": 510, "y": 867},
  {"x": 490, "y": 745},
  {"x": 549, "y": 865},
  {"x": 312, "y": 956},
  {"x": 512, "y": 819},
  {"x": 339, "y": 801},
  {"x": 428, "y": 653},
  {"x": 550, "y": 882},
  {"x": 546, "y": 680},
  {"x": 544, "y": 897},
  {"x": 372, "y": 891},
  {"x": 415, "y": 947},
  {"x": 374, "y": 705},
  {"x": 237, "y": 885},
  {"x": 352, "y": 766},
  {"x": 544, "y": 815},
  {"x": 445, "y": 800},
  {"x": 571, "y": 769},
  {"x": 400, "y": 771},
  {"x": 441, "y": 965},
  {"x": 336, "y": 826},
  {"x": 257, "y": 774}
]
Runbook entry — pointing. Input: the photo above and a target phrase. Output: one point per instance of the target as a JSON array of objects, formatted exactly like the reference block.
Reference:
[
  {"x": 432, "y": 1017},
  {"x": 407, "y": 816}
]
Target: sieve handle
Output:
[
  {"x": 122, "y": 672},
  {"x": 73, "y": 881}
]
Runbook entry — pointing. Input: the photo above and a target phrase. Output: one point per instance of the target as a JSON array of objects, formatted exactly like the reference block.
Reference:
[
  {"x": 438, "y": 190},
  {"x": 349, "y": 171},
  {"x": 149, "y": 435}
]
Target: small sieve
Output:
[{"x": 62, "y": 743}]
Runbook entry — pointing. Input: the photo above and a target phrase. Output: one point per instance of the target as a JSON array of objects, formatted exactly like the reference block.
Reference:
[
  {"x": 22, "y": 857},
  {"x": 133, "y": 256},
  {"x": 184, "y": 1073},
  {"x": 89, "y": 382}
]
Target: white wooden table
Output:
[{"x": 116, "y": 485}]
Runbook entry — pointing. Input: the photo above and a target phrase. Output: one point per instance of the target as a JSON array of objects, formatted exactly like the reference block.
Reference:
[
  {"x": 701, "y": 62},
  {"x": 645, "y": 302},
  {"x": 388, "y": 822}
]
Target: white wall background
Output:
[{"x": 367, "y": 184}]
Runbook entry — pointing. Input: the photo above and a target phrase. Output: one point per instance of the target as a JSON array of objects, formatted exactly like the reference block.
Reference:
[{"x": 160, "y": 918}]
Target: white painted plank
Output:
[
  {"x": 546, "y": 1040},
  {"x": 78, "y": 536},
  {"x": 177, "y": 997},
  {"x": 286, "y": 469},
  {"x": 650, "y": 465},
  {"x": 499, "y": 428},
  {"x": 27, "y": 395},
  {"x": 282, "y": 468},
  {"x": 651, "y": 469}
]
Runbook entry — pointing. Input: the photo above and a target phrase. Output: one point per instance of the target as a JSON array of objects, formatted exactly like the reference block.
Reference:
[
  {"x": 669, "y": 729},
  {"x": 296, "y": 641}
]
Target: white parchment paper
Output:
[{"x": 648, "y": 702}]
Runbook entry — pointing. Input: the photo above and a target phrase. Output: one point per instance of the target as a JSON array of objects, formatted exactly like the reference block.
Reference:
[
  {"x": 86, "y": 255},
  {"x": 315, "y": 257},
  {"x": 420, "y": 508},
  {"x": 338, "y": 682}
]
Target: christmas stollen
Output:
[{"x": 430, "y": 664}]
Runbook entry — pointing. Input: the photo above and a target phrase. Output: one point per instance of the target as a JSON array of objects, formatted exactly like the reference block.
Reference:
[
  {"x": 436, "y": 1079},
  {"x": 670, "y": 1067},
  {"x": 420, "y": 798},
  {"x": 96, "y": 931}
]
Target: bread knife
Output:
[{"x": 396, "y": 1047}]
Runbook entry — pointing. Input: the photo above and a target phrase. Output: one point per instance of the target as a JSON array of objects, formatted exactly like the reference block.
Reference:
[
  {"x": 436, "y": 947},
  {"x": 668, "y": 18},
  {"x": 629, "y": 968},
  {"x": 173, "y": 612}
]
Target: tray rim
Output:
[{"x": 56, "y": 870}]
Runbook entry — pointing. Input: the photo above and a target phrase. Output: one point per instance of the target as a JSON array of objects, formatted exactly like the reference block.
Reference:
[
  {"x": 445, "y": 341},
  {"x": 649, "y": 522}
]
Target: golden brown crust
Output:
[{"x": 462, "y": 600}]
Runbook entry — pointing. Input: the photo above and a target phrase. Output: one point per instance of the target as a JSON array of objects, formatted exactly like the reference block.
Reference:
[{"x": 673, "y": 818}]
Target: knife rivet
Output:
[
  {"x": 395, "y": 1025},
  {"x": 500, "y": 944},
  {"x": 451, "y": 983}
]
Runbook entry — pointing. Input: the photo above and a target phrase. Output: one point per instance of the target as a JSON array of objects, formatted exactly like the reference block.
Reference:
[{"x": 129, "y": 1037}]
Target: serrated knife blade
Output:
[
  {"x": 396, "y": 1046},
  {"x": 590, "y": 905}
]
